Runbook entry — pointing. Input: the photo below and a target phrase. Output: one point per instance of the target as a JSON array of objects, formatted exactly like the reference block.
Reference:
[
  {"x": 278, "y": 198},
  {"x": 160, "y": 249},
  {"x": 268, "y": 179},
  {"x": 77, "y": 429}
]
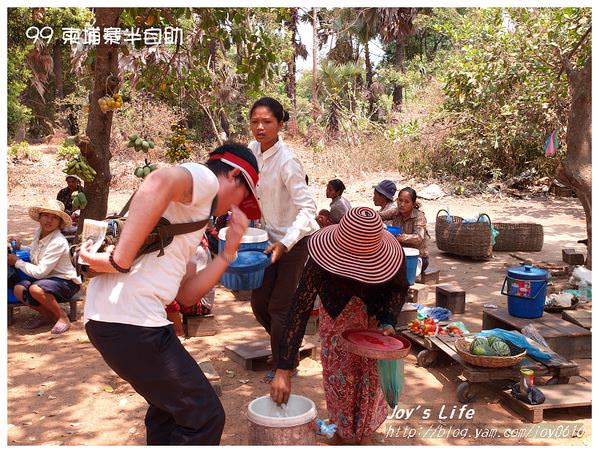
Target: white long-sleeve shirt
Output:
[
  {"x": 49, "y": 257},
  {"x": 288, "y": 209}
]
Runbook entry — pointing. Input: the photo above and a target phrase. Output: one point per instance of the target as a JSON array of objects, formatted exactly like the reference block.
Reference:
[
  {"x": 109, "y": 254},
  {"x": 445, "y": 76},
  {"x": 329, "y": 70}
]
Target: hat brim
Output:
[
  {"x": 377, "y": 267},
  {"x": 35, "y": 212},
  {"x": 250, "y": 206},
  {"x": 387, "y": 195}
]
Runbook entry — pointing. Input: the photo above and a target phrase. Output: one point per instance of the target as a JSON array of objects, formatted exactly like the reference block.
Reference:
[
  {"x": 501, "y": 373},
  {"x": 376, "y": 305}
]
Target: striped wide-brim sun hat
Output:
[{"x": 357, "y": 247}]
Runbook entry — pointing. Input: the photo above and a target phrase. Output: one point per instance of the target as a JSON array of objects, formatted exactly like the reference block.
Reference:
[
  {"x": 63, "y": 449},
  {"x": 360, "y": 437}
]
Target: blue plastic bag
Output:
[
  {"x": 437, "y": 313},
  {"x": 519, "y": 340}
]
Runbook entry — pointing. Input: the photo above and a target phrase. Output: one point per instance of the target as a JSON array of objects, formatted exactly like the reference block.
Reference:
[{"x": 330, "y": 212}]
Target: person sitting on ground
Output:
[
  {"x": 358, "y": 270},
  {"x": 384, "y": 192},
  {"x": 64, "y": 196},
  {"x": 53, "y": 278},
  {"x": 204, "y": 306},
  {"x": 412, "y": 222},
  {"x": 339, "y": 205}
]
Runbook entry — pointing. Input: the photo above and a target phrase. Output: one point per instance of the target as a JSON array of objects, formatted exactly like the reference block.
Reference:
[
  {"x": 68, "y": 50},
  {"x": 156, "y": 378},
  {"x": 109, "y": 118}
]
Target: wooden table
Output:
[
  {"x": 583, "y": 318},
  {"x": 559, "y": 368},
  {"x": 556, "y": 397},
  {"x": 563, "y": 337}
]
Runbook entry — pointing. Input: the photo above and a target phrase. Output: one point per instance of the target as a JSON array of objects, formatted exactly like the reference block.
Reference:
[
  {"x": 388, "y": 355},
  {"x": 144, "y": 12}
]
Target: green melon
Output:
[{"x": 500, "y": 348}]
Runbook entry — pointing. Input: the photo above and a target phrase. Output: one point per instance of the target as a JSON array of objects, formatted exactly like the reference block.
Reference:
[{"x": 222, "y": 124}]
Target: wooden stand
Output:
[
  {"x": 571, "y": 256},
  {"x": 252, "y": 356},
  {"x": 451, "y": 297},
  {"x": 563, "y": 337},
  {"x": 418, "y": 293},
  {"x": 559, "y": 368},
  {"x": 581, "y": 318},
  {"x": 429, "y": 277},
  {"x": 73, "y": 312},
  {"x": 556, "y": 397}
]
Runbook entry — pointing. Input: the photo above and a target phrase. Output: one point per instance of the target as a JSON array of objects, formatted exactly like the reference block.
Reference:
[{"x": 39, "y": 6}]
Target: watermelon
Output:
[
  {"x": 480, "y": 346},
  {"x": 500, "y": 348}
]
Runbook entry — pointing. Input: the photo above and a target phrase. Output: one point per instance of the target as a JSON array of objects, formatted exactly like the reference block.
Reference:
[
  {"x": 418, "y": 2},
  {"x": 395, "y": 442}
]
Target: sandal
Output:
[
  {"x": 35, "y": 323},
  {"x": 60, "y": 327}
]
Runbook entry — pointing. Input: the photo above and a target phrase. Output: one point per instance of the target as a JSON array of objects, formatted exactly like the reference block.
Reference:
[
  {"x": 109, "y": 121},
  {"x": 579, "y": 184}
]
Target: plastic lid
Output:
[
  {"x": 527, "y": 273},
  {"x": 411, "y": 251},
  {"x": 249, "y": 261},
  {"x": 251, "y": 235}
]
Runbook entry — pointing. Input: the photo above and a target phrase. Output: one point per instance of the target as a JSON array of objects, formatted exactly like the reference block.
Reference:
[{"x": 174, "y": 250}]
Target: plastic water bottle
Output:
[{"x": 582, "y": 290}]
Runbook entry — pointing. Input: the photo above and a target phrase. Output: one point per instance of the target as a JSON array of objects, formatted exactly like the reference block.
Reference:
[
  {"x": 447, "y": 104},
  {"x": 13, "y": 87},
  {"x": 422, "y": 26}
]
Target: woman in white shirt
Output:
[
  {"x": 53, "y": 278},
  {"x": 288, "y": 215}
]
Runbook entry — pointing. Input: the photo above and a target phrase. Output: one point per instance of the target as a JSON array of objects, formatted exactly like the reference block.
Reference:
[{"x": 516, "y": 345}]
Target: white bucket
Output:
[
  {"x": 251, "y": 235},
  {"x": 291, "y": 424}
]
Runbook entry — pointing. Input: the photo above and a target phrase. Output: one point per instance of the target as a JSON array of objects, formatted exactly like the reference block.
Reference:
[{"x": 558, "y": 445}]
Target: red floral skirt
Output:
[{"x": 351, "y": 384}]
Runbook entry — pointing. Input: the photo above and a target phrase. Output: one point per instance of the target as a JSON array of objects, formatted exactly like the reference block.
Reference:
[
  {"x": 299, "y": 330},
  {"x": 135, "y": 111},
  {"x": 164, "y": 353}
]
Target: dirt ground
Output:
[{"x": 60, "y": 391}]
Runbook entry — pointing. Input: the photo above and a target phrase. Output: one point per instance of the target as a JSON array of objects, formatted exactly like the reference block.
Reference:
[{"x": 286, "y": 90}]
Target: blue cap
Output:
[{"x": 386, "y": 188}]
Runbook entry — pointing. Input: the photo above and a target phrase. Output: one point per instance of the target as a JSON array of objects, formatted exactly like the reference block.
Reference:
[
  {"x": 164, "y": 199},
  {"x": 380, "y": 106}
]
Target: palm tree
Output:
[
  {"x": 299, "y": 49},
  {"x": 396, "y": 24}
]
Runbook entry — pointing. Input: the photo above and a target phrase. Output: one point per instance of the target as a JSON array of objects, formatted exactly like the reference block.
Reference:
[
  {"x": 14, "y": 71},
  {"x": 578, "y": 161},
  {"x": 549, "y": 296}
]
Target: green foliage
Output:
[
  {"x": 402, "y": 130},
  {"x": 503, "y": 95},
  {"x": 22, "y": 151},
  {"x": 67, "y": 150},
  {"x": 17, "y": 75}
]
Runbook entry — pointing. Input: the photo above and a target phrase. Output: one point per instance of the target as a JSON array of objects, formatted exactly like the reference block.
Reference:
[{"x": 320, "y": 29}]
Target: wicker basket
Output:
[
  {"x": 463, "y": 349},
  {"x": 524, "y": 237},
  {"x": 465, "y": 239}
]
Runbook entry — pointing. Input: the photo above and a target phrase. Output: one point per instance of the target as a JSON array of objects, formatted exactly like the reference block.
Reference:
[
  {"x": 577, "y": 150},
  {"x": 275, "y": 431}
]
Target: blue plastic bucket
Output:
[
  {"x": 24, "y": 255},
  {"x": 526, "y": 290},
  {"x": 247, "y": 271},
  {"x": 253, "y": 239},
  {"x": 394, "y": 230},
  {"x": 413, "y": 264}
]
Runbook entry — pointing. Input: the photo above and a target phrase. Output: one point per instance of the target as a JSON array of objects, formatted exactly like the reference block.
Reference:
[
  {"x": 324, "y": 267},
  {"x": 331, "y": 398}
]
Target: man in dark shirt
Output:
[{"x": 64, "y": 196}]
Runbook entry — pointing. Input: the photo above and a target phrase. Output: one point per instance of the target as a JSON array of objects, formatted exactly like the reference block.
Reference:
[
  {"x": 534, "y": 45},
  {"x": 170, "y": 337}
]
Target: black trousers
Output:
[
  {"x": 184, "y": 409},
  {"x": 271, "y": 302}
]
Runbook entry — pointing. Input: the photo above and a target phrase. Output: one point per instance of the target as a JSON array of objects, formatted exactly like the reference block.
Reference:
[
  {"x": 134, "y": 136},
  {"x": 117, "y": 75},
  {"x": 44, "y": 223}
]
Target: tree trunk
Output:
[
  {"x": 292, "y": 128},
  {"x": 58, "y": 79},
  {"x": 399, "y": 65},
  {"x": 575, "y": 170},
  {"x": 368, "y": 64},
  {"x": 96, "y": 145},
  {"x": 315, "y": 107}
]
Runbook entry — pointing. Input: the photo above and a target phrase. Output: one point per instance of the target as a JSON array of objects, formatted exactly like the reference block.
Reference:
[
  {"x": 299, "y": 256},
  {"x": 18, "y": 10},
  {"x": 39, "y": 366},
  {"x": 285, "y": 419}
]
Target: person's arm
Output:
[
  {"x": 304, "y": 223},
  {"x": 388, "y": 214},
  {"x": 161, "y": 187},
  {"x": 199, "y": 284},
  {"x": 47, "y": 262},
  {"x": 295, "y": 328},
  {"x": 416, "y": 238}
]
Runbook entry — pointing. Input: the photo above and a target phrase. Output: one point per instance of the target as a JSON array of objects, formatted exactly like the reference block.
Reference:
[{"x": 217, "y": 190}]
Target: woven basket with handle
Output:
[
  {"x": 471, "y": 239},
  {"x": 463, "y": 349},
  {"x": 524, "y": 237}
]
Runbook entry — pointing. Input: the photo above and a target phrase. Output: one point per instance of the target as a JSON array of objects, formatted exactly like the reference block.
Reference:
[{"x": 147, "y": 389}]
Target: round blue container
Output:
[
  {"x": 412, "y": 257},
  {"x": 394, "y": 230},
  {"x": 247, "y": 271},
  {"x": 526, "y": 291},
  {"x": 253, "y": 239},
  {"x": 24, "y": 255}
]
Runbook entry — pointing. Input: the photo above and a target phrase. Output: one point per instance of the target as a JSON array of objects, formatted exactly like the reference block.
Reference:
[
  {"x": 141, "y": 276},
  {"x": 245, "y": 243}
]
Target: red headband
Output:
[{"x": 238, "y": 161}]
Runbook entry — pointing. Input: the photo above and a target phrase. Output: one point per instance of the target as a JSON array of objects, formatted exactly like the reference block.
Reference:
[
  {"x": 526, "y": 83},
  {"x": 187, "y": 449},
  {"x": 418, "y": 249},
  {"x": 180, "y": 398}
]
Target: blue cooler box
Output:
[
  {"x": 247, "y": 271},
  {"x": 526, "y": 290},
  {"x": 24, "y": 255}
]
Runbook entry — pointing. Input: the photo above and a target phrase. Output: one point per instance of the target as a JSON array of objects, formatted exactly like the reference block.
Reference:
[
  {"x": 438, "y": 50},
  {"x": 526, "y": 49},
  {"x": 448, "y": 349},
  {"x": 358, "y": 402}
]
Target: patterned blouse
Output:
[
  {"x": 413, "y": 231},
  {"x": 384, "y": 300},
  {"x": 388, "y": 212}
]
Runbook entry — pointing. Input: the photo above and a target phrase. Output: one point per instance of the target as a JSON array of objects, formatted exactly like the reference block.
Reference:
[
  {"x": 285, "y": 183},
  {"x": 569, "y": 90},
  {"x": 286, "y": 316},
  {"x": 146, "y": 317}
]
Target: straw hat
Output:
[
  {"x": 358, "y": 247},
  {"x": 51, "y": 207}
]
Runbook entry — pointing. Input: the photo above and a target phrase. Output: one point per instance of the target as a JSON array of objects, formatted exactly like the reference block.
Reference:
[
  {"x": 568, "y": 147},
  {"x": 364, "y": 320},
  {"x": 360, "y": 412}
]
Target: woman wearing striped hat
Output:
[{"x": 358, "y": 270}]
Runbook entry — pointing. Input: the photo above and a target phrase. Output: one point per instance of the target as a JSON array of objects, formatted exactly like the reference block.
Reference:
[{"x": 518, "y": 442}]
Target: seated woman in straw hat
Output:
[
  {"x": 52, "y": 275},
  {"x": 358, "y": 270}
]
